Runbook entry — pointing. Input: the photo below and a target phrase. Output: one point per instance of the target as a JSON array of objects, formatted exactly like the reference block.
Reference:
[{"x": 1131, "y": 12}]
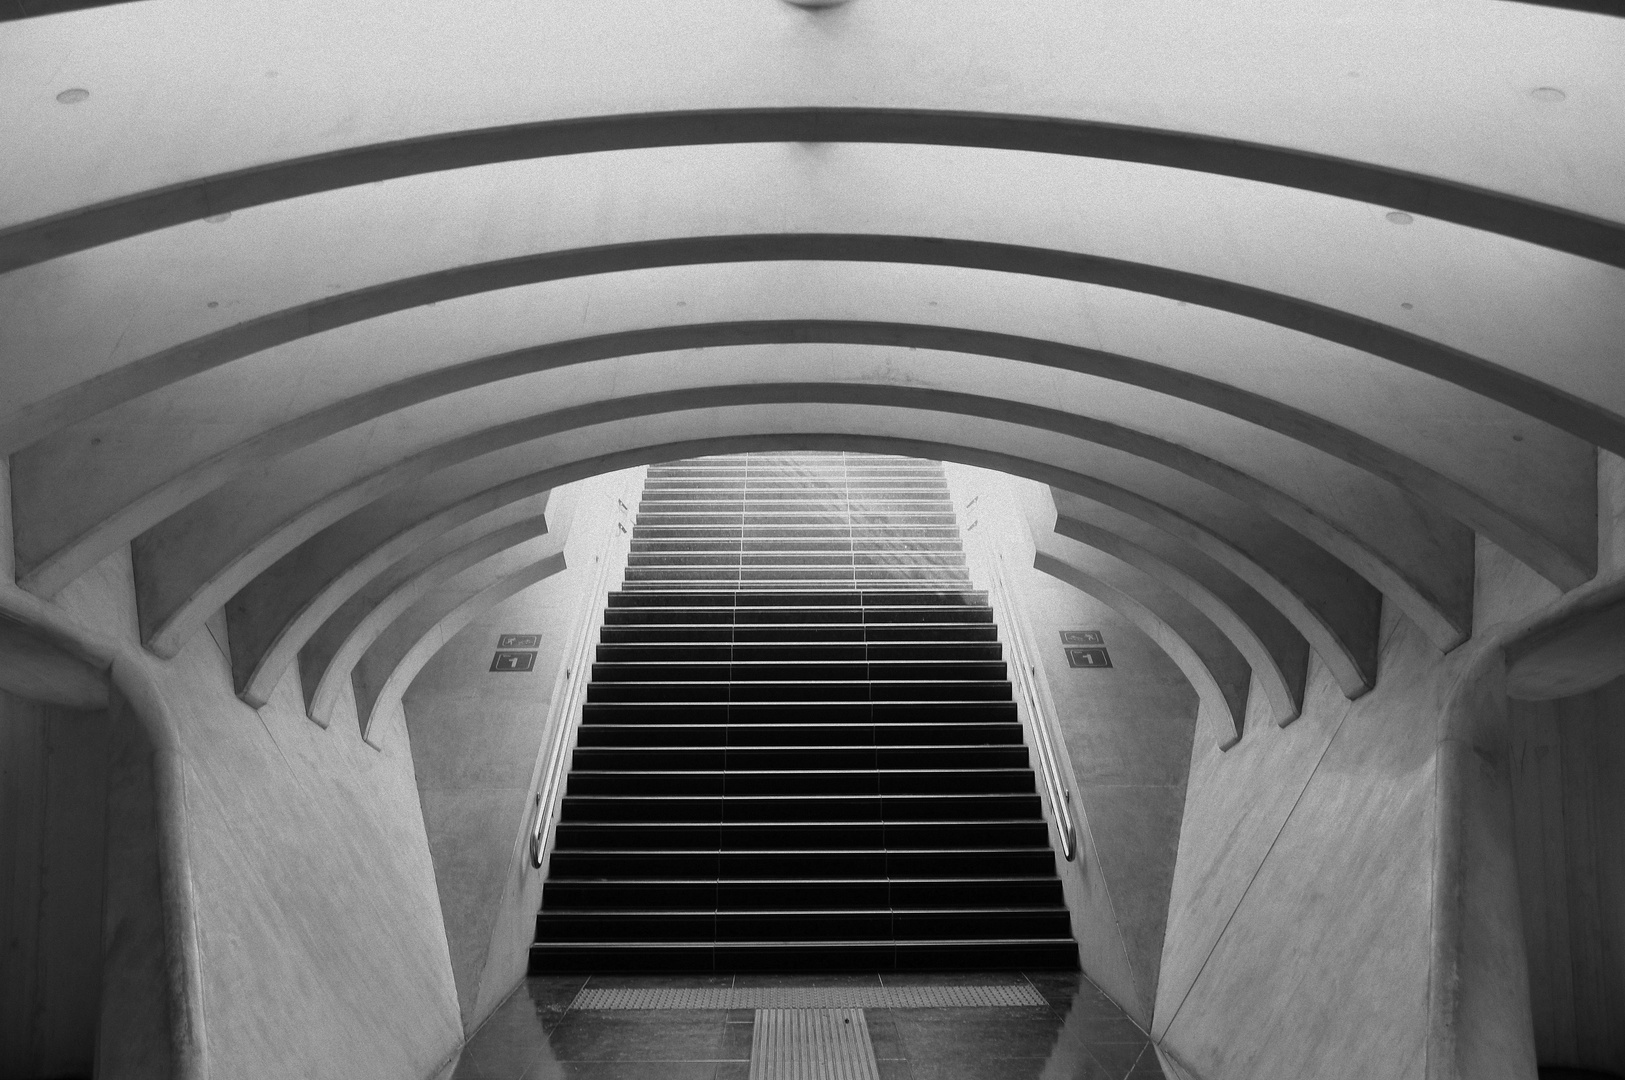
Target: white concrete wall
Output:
[
  {"x": 317, "y": 922},
  {"x": 480, "y": 739},
  {"x": 1126, "y": 735}
]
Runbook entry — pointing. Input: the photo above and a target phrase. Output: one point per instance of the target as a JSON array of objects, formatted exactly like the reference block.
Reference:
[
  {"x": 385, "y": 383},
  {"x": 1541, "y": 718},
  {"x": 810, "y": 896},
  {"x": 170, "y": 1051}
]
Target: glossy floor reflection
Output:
[{"x": 1079, "y": 1035}]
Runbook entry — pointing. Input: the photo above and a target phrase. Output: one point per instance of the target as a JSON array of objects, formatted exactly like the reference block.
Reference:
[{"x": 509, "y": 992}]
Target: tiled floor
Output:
[{"x": 536, "y": 1035}]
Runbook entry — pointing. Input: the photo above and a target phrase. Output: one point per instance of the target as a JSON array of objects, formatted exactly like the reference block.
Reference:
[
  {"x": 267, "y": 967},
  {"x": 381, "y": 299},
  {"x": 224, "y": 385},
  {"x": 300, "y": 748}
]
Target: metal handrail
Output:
[
  {"x": 1060, "y": 796},
  {"x": 570, "y": 704}
]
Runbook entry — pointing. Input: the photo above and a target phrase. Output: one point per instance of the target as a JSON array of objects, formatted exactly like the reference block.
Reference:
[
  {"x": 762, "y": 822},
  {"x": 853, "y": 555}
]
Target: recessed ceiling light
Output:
[
  {"x": 1549, "y": 94},
  {"x": 1399, "y": 217},
  {"x": 73, "y": 96},
  {"x": 215, "y": 219},
  {"x": 815, "y": 4}
]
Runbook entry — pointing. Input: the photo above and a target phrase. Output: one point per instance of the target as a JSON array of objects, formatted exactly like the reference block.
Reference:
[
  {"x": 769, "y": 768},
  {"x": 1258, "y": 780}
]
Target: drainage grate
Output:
[
  {"x": 808, "y": 997},
  {"x": 812, "y": 1044}
]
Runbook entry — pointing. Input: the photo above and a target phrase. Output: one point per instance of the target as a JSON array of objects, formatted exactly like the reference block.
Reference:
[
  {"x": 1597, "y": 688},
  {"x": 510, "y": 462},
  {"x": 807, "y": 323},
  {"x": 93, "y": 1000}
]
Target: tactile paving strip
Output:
[
  {"x": 807, "y": 997},
  {"x": 812, "y": 1044}
]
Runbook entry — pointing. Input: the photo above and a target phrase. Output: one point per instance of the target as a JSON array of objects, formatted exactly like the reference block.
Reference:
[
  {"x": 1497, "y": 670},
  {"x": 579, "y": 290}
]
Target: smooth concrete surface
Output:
[
  {"x": 480, "y": 741},
  {"x": 53, "y": 855},
  {"x": 1124, "y": 732},
  {"x": 1570, "y": 814},
  {"x": 1571, "y": 656},
  {"x": 310, "y": 872},
  {"x": 1272, "y": 646},
  {"x": 1211, "y": 662},
  {"x": 1298, "y": 938}
]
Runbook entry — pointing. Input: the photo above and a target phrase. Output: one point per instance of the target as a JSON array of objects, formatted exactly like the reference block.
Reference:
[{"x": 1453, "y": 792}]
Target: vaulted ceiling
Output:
[{"x": 310, "y": 303}]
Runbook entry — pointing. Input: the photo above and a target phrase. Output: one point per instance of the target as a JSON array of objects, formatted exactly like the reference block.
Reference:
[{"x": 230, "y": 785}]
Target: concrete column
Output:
[{"x": 1480, "y": 1026}]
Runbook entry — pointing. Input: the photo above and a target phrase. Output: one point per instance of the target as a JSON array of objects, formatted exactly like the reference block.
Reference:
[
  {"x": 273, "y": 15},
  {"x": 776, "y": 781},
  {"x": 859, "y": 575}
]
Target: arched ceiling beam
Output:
[
  {"x": 330, "y": 656},
  {"x": 222, "y": 541},
  {"x": 1586, "y": 417},
  {"x": 1210, "y": 661},
  {"x": 383, "y": 673},
  {"x": 121, "y": 488},
  {"x": 1335, "y": 610},
  {"x": 1339, "y": 614},
  {"x": 271, "y": 618},
  {"x": 1277, "y": 653},
  {"x": 26, "y": 243}
]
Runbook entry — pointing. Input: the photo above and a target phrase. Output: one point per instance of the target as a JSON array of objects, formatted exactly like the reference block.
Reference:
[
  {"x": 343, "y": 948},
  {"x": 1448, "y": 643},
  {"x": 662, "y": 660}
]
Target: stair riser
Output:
[{"x": 643, "y": 808}]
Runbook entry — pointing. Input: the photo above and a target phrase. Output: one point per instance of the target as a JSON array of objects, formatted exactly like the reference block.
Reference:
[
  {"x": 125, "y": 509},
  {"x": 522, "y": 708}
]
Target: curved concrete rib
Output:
[
  {"x": 57, "y": 543},
  {"x": 32, "y": 242},
  {"x": 1217, "y": 671},
  {"x": 1276, "y": 652},
  {"x": 387, "y": 667},
  {"x": 1565, "y": 410},
  {"x": 196, "y": 560},
  {"x": 1331, "y": 606},
  {"x": 271, "y": 618},
  {"x": 338, "y": 644}
]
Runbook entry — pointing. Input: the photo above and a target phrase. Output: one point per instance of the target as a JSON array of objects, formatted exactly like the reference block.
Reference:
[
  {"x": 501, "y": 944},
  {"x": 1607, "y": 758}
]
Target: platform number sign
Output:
[
  {"x": 516, "y": 652},
  {"x": 1085, "y": 649}
]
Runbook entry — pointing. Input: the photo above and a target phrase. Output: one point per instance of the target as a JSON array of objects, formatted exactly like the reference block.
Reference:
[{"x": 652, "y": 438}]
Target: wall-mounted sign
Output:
[
  {"x": 1082, "y": 656},
  {"x": 519, "y": 641},
  {"x": 1082, "y": 637},
  {"x": 513, "y": 660}
]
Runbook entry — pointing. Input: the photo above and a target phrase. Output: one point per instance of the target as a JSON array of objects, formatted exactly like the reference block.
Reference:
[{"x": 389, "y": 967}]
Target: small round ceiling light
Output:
[
  {"x": 215, "y": 219},
  {"x": 816, "y": 5},
  {"x": 1551, "y": 95},
  {"x": 73, "y": 95},
  {"x": 1399, "y": 217}
]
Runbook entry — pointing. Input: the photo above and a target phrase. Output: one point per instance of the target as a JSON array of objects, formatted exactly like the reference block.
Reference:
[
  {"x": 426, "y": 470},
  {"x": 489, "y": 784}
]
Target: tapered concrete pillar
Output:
[{"x": 1480, "y": 1021}]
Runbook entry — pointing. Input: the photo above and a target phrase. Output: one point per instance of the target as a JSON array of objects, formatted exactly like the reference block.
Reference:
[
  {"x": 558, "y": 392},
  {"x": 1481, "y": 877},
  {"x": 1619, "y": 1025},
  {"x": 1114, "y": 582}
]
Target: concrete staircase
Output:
[{"x": 799, "y": 748}]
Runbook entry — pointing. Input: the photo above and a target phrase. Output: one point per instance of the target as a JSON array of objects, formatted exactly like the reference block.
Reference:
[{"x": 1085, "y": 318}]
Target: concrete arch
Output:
[
  {"x": 26, "y": 243},
  {"x": 388, "y": 666},
  {"x": 1277, "y": 653},
  {"x": 1211, "y": 663},
  {"x": 330, "y": 656},
  {"x": 57, "y": 543},
  {"x": 1583, "y": 402},
  {"x": 188, "y": 563},
  {"x": 331, "y": 600},
  {"x": 272, "y": 617},
  {"x": 1330, "y": 606}
]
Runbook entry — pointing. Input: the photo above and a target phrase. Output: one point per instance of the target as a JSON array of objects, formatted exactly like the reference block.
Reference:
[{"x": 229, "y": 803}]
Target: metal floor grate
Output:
[
  {"x": 812, "y": 1044},
  {"x": 808, "y": 997}
]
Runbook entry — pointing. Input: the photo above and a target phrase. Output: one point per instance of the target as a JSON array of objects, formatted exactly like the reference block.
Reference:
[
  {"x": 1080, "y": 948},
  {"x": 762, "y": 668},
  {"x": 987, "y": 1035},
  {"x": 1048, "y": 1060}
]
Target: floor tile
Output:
[
  {"x": 736, "y": 1041},
  {"x": 941, "y": 1034},
  {"x": 951, "y": 978},
  {"x": 883, "y": 1034},
  {"x": 637, "y": 1070},
  {"x": 1080, "y": 1035},
  {"x": 1118, "y": 1058},
  {"x": 811, "y": 978},
  {"x": 988, "y": 1069},
  {"x": 659, "y": 981},
  {"x": 637, "y": 1035}
]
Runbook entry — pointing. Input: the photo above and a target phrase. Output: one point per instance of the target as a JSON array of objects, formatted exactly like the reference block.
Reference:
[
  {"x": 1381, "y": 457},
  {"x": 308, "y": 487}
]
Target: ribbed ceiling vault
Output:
[{"x": 312, "y": 304}]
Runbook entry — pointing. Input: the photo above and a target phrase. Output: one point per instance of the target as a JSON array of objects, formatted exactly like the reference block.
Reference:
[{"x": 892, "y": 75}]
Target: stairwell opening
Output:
[{"x": 799, "y": 749}]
